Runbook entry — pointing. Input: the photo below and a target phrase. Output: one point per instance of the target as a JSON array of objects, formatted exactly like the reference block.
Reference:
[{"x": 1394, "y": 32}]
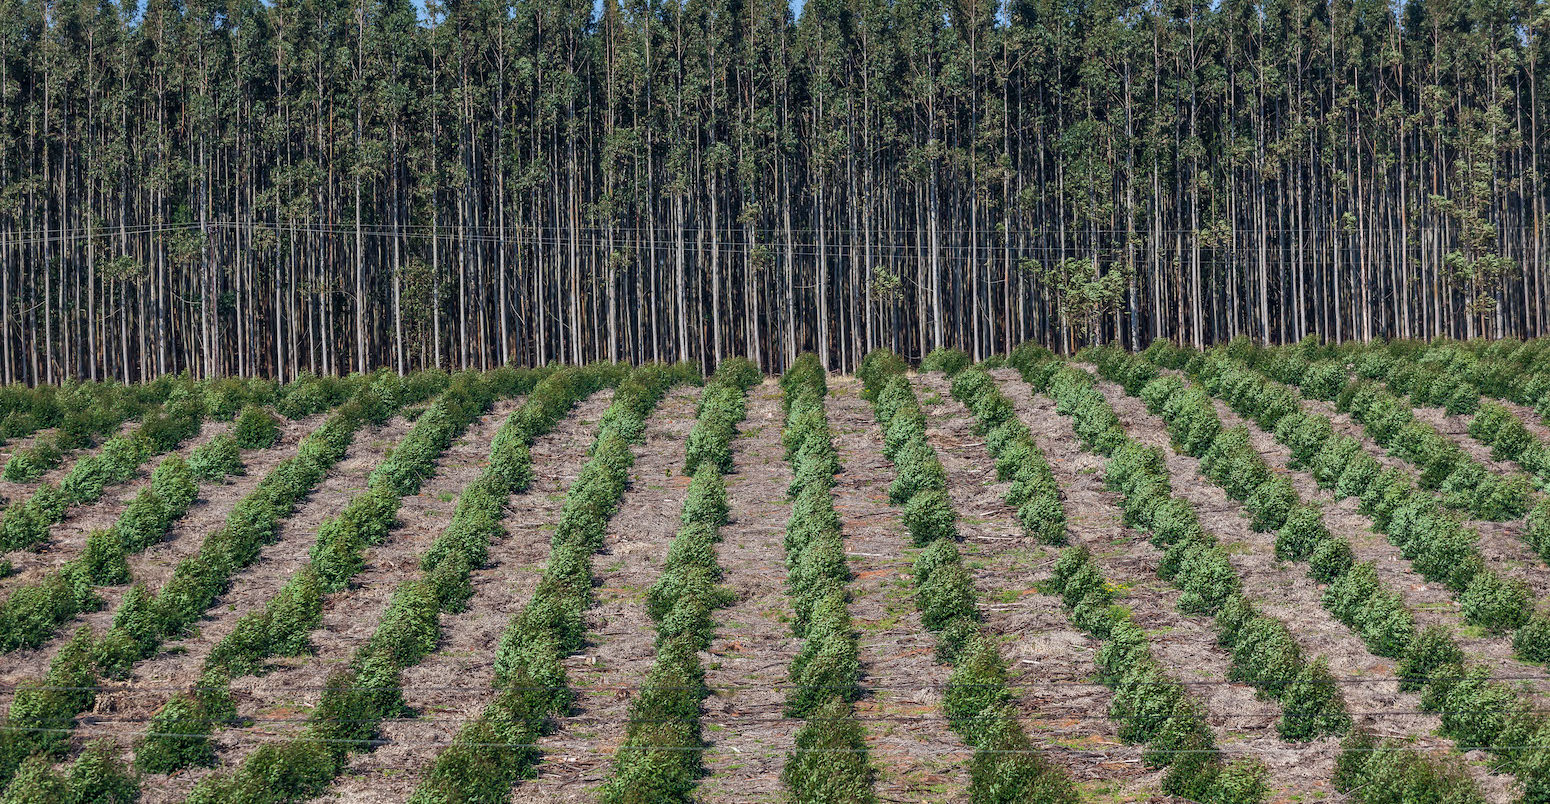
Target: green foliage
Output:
[
  {"x": 256, "y": 428},
  {"x": 177, "y": 739},
  {"x": 977, "y": 697},
  {"x": 1033, "y": 490},
  {"x": 876, "y": 369},
  {"x": 1389, "y": 772},
  {"x": 215, "y": 459},
  {"x": 358, "y": 697},
  {"x": 829, "y": 761},
  {"x": 1497, "y": 604},
  {"x": 29, "y": 464},
  {"x": 1531, "y": 642},
  {"x": 1312, "y": 706},
  {"x": 948, "y": 361},
  {"x": 1302, "y": 533}
]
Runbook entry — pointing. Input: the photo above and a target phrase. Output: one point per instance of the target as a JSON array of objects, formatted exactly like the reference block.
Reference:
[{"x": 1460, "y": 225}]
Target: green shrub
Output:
[
  {"x": 976, "y": 687},
  {"x": 1324, "y": 379},
  {"x": 1387, "y": 772},
  {"x": 1359, "y": 475},
  {"x": 948, "y": 592},
  {"x": 103, "y": 559},
  {"x": 1007, "y": 769},
  {"x": 1497, "y": 426},
  {"x": 1271, "y": 503},
  {"x": 706, "y": 501},
  {"x": 829, "y": 762},
  {"x": 1531, "y": 642},
  {"x": 1348, "y": 592},
  {"x": 255, "y": 428},
  {"x": 948, "y": 361},
  {"x": 1334, "y": 455},
  {"x": 876, "y": 369},
  {"x": 1265, "y": 655},
  {"x": 1474, "y": 708},
  {"x": 1386, "y": 625},
  {"x": 1303, "y": 434},
  {"x": 27, "y": 465},
  {"x": 1302, "y": 533},
  {"x": 1331, "y": 559},
  {"x": 1183, "y": 744},
  {"x": 178, "y": 738},
  {"x": 1044, "y": 519},
  {"x": 918, "y": 470},
  {"x": 1434, "y": 647},
  {"x": 1536, "y": 529},
  {"x": 1499, "y": 499},
  {"x": 214, "y": 460},
  {"x": 1207, "y": 578},
  {"x": 1312, "y": 706},
  {"x": 1497, "y": 604},
  {"x": 929, "y": 516}
]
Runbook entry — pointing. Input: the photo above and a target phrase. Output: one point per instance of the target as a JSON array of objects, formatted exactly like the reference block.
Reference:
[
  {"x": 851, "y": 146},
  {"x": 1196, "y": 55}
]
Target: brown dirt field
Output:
[
  {"x": 177, "y": 667},
  {"x": 11, "y": 491},
  {"x": 67, "y": 538},
  {"x": 1432, "y": 603},
  {"x": 1284, "y": 591},
  {"x": 1500, "y": 542},
  {"x": 1241, "y": 721},
  {"x": 1456, "y": 429},
  {"x": 279, "y": 700},
  {"x": 917, "y": 757},
  {"x": 1051, "y": 667},
  {"x": 620, "y": 648},
  {"x": 748, "y": 661},
  {"x": 452, "y": 685}
]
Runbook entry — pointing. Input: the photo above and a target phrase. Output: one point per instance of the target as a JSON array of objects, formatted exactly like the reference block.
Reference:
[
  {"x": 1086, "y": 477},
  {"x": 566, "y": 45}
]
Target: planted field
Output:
[{"x": 1301, "y": 573}]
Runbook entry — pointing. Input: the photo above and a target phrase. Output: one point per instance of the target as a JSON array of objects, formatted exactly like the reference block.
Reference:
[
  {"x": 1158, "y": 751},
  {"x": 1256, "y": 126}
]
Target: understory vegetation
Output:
[{"x": 1400, "y": 487}]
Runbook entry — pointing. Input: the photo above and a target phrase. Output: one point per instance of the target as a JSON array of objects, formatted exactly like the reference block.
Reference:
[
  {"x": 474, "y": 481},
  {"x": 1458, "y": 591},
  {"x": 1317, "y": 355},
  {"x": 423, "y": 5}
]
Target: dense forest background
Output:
[{"x": 328, "y": 185}]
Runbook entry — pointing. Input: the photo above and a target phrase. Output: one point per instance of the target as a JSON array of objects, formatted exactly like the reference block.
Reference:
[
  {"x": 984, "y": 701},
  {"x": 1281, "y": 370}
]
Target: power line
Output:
[
  {"x": 943, "y": 748},
  {"x": 132, "y": 688}
]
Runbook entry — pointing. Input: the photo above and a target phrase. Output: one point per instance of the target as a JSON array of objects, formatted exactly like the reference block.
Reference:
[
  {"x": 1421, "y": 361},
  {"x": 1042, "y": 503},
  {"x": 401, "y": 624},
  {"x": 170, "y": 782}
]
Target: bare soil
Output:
[
  {"x": 279, "y": 700},
  {"x": 177, "y": 667},
  {"x": 67, "y": 538},
  {"x": 1433, "y": 603},
  {"x": 1051, "y": 669},
  {"x": 747, "y": 664},
  {"x": 451, "y": 686},
  {"x": 1456, "y": 429},
  {"x": 1284, "y": 591},
  {"x": 620, "y": 643},
  {"x": 1241, "y": 721},
  {"x": 917, "y": 757}
]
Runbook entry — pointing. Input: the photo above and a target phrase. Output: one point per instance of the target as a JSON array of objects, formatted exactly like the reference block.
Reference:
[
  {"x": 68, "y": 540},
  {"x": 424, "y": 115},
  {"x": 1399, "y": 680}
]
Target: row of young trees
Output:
[{"x": 234, "y": 186}]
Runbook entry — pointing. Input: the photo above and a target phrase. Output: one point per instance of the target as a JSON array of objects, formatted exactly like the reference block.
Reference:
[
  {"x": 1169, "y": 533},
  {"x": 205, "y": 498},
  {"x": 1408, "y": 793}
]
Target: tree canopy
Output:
[{"x": 230, "y": 186}]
